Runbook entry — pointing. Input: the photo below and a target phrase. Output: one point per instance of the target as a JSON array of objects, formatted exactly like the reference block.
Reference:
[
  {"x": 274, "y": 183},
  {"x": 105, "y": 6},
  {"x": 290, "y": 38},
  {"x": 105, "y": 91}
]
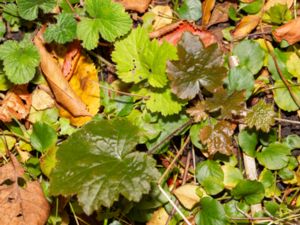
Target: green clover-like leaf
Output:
[
  {"x": 28, "y": 9},
  {"x": 261, "y": 116},
  {"x": 20, "y": 60},
  {"x": 98, "y": 164},
  {"x": 197, "y": 67},
  {"x": 63, "y": 31},
  {"x": 107, "y": 18}
]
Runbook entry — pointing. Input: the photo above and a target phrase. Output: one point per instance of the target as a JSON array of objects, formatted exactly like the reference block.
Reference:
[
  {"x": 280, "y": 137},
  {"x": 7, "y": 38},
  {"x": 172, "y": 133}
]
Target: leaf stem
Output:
[{"x": 75, "y": 216}]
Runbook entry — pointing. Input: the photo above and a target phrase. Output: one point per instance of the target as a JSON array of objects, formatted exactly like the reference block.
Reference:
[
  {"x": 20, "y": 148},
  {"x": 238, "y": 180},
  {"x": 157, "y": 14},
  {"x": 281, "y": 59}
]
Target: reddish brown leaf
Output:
[
  {"x": 289, "y": 32},
  {"x": 174, "y": 37},
  {"x": 220, "y": 13},
  {"x": 21, "y": 204},
  {"x": 218, "y": 137},
  {"x": 71, "y": 59},
  {"x": 198, "y": 112},
  {"x": 139, "y": 6},
  {"x": 16, "y": 104},
  {"x": 207, "y": 7},
  {"x": 245, "y": 26},
  {"x": 62, "y": 91}
]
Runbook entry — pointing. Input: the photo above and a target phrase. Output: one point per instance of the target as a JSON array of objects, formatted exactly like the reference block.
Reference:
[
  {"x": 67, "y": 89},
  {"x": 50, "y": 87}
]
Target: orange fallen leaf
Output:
[
  {"x": 21, "y": 205},
  {"x": 16, "y": 104},
  {"x": 64, "y": 95},
  {"x": 139, "y": 6},
  {"x": 289, "y": 32},
  {"x": 207, "y": 7},
  {"x": 174, "y": 37},
  {"x": 85, "y": 84},
  {"x": 245, "y": 26}
]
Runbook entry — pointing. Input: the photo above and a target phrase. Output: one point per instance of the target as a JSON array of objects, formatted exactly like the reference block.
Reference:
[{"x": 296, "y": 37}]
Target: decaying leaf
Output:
[
  {"x": 198, "y": 111},
  {"x": 71, "y": 59},
  {"x": 197, "y": 67},
  {"x": 220, "y": 13},
  {"x": 271, "y": 3},
  {"x": 261, "y": 116},
  {"x": 139, "y": 6},
  {"x": 174, "y": 37},
  {"x": 42, "y": 100},
  {"x": 289, "y": 32},
  {"x": 163, "y": 16},
  {"x": 21, "y": 202},
  {"x": 207, "y": 7},
  {"x": 159, "y": 217},
  {"x": 229, "y": 104},
  {"x": 218, "y": 137},
  {"x": 245, "y": 26},
  {"x": 85, "y": 84},
  {"x": 16, "y": 104},
  {"x": 62, "y": 91},
  {"x": 187, "y": 195}
]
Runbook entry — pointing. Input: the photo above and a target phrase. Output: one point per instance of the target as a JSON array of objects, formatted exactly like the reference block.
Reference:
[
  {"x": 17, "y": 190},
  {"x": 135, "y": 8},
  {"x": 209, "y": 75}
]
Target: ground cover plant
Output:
[{"x": 149, "y": 112}]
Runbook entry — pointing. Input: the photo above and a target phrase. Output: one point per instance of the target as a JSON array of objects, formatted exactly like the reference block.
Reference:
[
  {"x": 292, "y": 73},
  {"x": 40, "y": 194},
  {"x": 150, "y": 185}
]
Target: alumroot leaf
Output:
[{"x": 98, "y": 164}]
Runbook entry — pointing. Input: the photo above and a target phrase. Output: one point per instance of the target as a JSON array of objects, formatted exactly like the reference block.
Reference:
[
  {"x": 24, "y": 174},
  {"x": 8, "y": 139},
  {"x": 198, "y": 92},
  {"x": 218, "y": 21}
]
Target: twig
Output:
[{"x": 287, "y": 121}]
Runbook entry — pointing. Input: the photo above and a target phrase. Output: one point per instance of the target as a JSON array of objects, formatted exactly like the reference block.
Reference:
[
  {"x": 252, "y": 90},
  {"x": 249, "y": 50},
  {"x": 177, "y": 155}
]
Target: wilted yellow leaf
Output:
[
  {"x": 187, "y": 195},
  {"x": 42, "y": 100},
  {"x": 163, "y": 16},
  {"x": 159, "y": 217},
  {"x": 85, "y": 84}
]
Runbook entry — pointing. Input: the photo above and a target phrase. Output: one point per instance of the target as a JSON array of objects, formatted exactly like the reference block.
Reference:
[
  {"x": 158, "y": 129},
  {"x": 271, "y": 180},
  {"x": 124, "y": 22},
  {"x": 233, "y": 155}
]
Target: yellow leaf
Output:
[
  {"x": 159, "y": 217},
  {"x": 6, "y": 142},
  {"x": 42, "y": 100},
  {"x": 85, "y": 84},
  {"x": 207, "y": 7},
  {"x": 187, "y": 195},
  {"x": 163, "y": 16},
  {"x": 293, "y": 65}
]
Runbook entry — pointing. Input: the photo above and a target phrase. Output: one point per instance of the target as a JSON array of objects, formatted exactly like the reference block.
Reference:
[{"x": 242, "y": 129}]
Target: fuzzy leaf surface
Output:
[
  {"x": 197, "y": 67},
  {"x": 107, "y": 18},
  {"x": 98, "y": 164},
  {"x": 138, "y": 58},
  {"x": 261, "y": 116},
  {"x": 20, "y": 60},
  {"x": 28, "y": 9},
  {"x": 63, "y": 31}
]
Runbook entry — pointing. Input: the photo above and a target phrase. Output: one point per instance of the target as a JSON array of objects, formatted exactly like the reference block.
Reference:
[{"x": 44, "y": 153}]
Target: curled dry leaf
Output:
[
  {"x": 163, "y": 16},
  {"x": 139, "y": 6},
  {"x": 207, "y": 7},
  {"x": 174, "y": 37},
  {"x": 61, "y": 89},
  {"x": 16, "y": 104},
  {"x": 245, "y": 26},
  {"x": 71, "y": 59},
  {"x": 289, "y": 32},
  {"x": 220, "y": 13},
  {"x": 187, "y": 195},
  {"x": 41, "y": 100},
  {"x": 85, "y": 84},
  {"x": 21, "y": 203}
]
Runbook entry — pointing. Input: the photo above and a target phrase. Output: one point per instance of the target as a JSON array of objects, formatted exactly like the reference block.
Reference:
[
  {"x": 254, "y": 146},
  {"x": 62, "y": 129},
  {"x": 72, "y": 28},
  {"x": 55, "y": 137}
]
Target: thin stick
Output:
[{"x": 287, "y": 121}]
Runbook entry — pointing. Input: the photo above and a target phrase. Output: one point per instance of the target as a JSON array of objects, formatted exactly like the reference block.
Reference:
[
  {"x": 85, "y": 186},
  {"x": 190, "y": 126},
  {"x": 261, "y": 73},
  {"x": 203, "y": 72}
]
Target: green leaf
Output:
[
  {"x": 10, "y": 14},
  {"x": 28, "y": 9},
  {"x": 250, "y": 190},
  {"x": 210, "y": 175},
  {"x": 43, "y": 137},
  {"x": 261, "y": 116},
  {"x": 250, "y": 54},
  {"x": 240, "y": 78},
  {"x": 98, "y": 164},
  {"x": 248, "y": 140},
  {"x": 211, "y": 213},
  {"x": 164, "y": 102},
  {"x": 138, "y": 58},
  {"x": 286, "y": 174},
  {"x": 190, "y": 10},
  {"x": 275, "y": 156},
  {"x": 253, "y": 7},
  {"x": 283, "y": 97},
  {"x": 63, "y": 31},
  {"x": 233, "y": 208},
  {"x": 277, "y": 14},
  {"x": 197, "y": 67},
  {"x": 229, "y": 104},
  {"x": 20, "y": 60},
  {"x": 267, "y": 178},
  {"x": 293, "y": 141},
  {"x": 2, "y": 28},
  {"x": 282, "y": 59},
  {"x": 232, "y": 176},
  {"x": 107, "y": 18}
]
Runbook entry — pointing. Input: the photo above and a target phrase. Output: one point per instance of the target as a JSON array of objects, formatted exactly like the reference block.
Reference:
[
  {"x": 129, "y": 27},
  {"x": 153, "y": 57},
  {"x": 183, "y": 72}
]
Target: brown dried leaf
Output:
[
  {"x": 71, "y": 59},
  {"x": 85, "y": 84},
  {"x": 21, "y": 205},
  {"x": 245, "y": 26},
  {"x": 289, "y": 32},
  {"x": 207, "y": 7},
  {"x": 198, "y": 112},
  {"x": 61, "y": 89},
  {"x": 16, "y": 104},
  {"x": 220, "y": 13},
  {"x": 139, "y": 6},
  {"x": 159, "y": 217},
  {"x": 218, "y": 137},
  {"x": 41, "y": 100}
]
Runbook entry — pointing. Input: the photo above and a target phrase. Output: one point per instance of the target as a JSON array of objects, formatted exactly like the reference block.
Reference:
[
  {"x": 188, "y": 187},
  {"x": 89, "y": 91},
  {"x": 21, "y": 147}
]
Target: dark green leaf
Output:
[
  {"x": 28, "y": 9},
  {"x": 248, "y": 140},
  {"x": 239, "y": 79},
  {"x": 252, "y": 7},
  {"x": 197, "y": 67},
  {"x": 277, "y": 14},
  {"x": 251, "y": 191},
  {"x": 190, "y": 10},
  {"x": 98, "y": 164},
  {"x": 281, "y": 58},
  {"x": 211, "y": 213}
]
